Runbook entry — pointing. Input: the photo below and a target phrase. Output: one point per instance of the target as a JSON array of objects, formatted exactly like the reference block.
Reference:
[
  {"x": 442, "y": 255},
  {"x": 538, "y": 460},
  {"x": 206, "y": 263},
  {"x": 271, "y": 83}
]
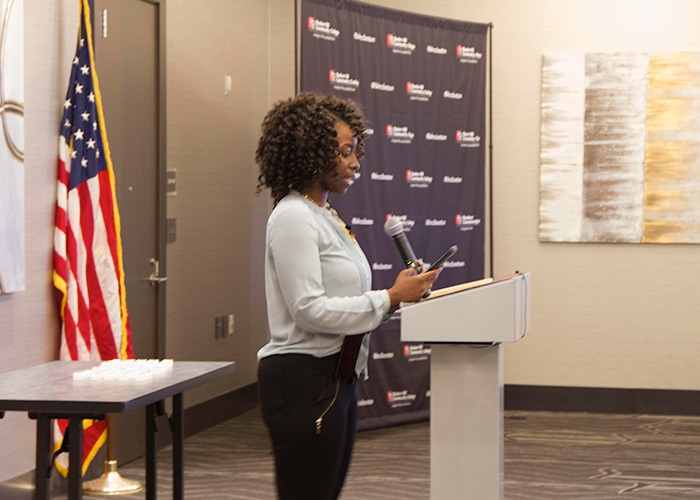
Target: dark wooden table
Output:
[{"x": 48, "y": 391}]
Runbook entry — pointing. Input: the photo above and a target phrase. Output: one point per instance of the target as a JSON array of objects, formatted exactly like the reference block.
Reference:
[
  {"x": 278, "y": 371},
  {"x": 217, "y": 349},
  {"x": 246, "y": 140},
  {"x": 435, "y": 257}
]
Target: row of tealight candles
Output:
[{"x": 125, "y": 369}]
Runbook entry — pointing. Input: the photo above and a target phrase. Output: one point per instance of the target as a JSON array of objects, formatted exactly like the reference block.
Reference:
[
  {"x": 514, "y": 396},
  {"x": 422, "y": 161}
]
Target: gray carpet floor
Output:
[{"x": 563, "y": 456}]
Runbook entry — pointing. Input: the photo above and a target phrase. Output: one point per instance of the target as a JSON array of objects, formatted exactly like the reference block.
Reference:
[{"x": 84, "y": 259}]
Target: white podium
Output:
[{"x": 466, "y": 329}]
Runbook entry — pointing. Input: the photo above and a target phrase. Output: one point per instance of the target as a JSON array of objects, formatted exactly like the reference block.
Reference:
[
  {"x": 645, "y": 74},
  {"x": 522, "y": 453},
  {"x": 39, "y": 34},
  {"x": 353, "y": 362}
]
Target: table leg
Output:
[
  {"x": 151, "y": 472},
  {"x": 75, "y": 459},
  {"x": 43, "y": 458},
  {"x": 178, "y": 448}
]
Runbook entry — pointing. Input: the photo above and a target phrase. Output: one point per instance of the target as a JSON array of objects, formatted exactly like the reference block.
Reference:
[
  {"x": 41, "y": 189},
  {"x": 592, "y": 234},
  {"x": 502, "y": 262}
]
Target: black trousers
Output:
[{"x": 311, "y": 419}]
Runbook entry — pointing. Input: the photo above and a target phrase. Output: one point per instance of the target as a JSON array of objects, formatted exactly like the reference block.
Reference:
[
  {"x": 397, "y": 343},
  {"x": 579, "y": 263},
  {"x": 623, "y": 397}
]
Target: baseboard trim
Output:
[
  {"x": 516, "y": 397},
  {"x": 601, "y": 400}
]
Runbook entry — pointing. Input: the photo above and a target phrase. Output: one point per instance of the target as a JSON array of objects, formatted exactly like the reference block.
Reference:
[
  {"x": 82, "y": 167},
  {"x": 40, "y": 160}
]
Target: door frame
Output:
[
  {"x": 162, "y": 175},
  {"x": 162, "y": 170}
]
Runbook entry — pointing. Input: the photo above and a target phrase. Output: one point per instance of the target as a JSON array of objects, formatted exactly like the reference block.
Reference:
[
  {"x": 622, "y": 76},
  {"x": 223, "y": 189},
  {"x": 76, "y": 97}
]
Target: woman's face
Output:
[{"x": 342, "y": 177}]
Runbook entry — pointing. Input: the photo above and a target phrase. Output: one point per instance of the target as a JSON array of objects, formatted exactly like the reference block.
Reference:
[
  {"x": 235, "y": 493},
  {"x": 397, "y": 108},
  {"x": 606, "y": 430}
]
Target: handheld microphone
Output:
[{"x": 393, "y": 228}]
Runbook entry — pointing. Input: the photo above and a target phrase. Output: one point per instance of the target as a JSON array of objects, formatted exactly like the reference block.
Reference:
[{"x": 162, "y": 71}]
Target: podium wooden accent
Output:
[{"x": 466, "y": 330}]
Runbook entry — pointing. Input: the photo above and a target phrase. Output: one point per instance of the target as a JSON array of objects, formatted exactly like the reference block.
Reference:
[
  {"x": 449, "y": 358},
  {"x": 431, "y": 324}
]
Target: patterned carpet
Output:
[
  {"x": 563, "y": 456},
  {"x": 594, "y": 456}
]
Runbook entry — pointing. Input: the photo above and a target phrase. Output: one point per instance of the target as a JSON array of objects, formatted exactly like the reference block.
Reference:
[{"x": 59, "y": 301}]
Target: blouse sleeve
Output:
[{"x": 294, "y": 244}]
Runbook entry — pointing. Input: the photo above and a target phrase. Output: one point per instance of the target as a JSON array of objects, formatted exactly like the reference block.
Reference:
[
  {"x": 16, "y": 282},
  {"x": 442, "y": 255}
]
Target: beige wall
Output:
[
  {"x": 603, "y": 315},
  {"x": 214, "y": 267}
]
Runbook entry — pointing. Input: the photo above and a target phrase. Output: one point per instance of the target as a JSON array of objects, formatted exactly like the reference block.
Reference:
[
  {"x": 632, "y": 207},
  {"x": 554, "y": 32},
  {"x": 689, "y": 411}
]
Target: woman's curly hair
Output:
[{"x": 299, "y": 145}]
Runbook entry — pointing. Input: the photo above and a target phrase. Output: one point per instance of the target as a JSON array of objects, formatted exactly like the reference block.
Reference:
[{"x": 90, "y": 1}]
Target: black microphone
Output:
[{"x": 393, "y": 227}]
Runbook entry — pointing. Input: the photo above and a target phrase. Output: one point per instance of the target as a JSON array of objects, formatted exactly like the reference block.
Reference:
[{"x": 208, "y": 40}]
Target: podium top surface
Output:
[
  {"x": 486, "y": 311},
  {"x": 50, "y": 388}
]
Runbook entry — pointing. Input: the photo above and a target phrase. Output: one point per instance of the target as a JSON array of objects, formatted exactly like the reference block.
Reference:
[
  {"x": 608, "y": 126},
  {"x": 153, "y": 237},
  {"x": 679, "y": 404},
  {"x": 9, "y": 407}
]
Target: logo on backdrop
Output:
[
  {"x": 361, "y": 37},
  {"x": 381, "y": 176},
  {"x": 450, "y": 179},
  {"x": 418, "y": 92},
  {"x": 431, "y": 49},
  {"x": 467, "y": 139},
  {"x": 400, "y": 44},
  {"x": 466, "y": 222},
  {"x": 382, "y": 266},
  {"x": 418, "y": 179},
  {"x": 454, "y": 263},
  {"x": 365, "y": 402},
  {"x": 435, "y": 222},
  {"x": 432, "y": 136},
  {"x": 382, "y": 355},
  {"x": 407, "y": 223},
  {"x": 468, "y": 55},
  {"x": 343, "y": 81},
  {"x": 384, "y": 87},
  {"x": 397, "y": 399},
  {"x": 322, "y": 29},
  {"x": 399, "y": 135},
  {"x": 448, "y": 94},
  {"x": 416, "y": 352},
  {"x": 362, "y": 221}
]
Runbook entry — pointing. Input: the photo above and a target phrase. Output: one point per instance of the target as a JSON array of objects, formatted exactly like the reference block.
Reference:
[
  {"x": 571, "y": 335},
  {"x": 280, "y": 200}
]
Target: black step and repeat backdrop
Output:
[{"x": 422, "y": 84}]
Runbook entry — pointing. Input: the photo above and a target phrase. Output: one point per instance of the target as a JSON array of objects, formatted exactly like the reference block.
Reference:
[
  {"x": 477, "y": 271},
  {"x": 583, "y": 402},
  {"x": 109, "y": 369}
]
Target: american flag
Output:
[{"x": 88, "y": 267}]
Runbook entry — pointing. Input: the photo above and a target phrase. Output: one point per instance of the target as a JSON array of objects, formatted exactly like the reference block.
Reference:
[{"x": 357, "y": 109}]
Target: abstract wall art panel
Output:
[
  {"x": 12, "y": 273},
  {"x": 620, "y": 148}
]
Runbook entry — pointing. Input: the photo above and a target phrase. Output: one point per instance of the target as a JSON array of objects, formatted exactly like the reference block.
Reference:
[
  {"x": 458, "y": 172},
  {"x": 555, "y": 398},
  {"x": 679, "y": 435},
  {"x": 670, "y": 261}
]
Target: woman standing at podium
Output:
[{"x": 319, "y": 296}]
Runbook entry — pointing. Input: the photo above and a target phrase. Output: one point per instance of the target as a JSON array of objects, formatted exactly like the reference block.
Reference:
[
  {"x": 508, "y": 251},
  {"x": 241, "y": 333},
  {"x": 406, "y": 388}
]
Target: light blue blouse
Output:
[{"x": 318, "y": 283}]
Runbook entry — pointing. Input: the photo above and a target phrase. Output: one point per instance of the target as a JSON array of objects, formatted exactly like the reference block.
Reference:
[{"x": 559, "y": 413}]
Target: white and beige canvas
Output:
[
  {"x": 12, "y": 273},
  {"x": 620, "y": 148}
]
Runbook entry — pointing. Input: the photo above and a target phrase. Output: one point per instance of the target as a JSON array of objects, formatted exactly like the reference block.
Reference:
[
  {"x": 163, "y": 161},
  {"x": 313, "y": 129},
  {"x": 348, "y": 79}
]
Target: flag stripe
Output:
[{"x": 105, "y": 271}]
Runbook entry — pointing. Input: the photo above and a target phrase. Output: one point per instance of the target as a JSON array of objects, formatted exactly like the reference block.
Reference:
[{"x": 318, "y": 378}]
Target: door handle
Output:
[{"x": 155, "y": 277}]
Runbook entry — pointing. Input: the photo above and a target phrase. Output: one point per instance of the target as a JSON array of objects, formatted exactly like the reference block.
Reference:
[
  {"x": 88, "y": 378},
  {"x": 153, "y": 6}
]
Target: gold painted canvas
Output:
[{"x": 620, "y": 151}]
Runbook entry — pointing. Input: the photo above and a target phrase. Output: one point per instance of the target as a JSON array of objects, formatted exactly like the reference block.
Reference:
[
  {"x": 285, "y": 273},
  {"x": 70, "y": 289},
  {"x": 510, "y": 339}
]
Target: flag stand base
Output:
[{"x": 111, "y": 483}]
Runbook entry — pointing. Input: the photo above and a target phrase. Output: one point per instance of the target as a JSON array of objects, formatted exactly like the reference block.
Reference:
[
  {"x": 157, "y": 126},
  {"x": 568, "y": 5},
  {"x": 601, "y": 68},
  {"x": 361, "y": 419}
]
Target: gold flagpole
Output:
[{"x": 111, "y": 482}]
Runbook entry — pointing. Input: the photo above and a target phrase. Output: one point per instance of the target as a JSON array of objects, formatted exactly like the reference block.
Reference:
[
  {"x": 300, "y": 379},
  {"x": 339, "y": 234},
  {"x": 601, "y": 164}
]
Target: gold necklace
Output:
[{"x": 335, "y": 215}]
